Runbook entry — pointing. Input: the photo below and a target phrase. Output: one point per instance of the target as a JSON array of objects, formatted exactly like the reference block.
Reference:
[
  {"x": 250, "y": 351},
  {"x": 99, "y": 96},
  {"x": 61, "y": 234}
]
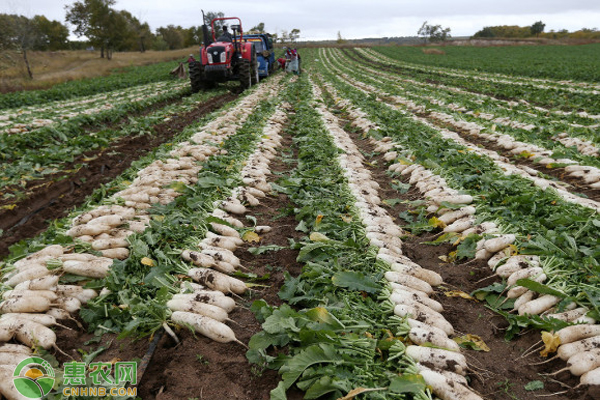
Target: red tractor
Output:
[{"x": 226, "y": 58}]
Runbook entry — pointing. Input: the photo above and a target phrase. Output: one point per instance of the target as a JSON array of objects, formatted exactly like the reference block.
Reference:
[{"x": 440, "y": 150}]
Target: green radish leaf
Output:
[
  {"x": 264, "y": 249},
  {"x": 407, "y": 384},
  {"x": 315, "y": 354},
  {"x": 355, "y": 281},
  {"x": 539, "y": 287}
]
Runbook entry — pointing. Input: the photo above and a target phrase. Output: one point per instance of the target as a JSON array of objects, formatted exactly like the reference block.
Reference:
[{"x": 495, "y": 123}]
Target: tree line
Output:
[
  {"x": 106, "y": 29},
  {"x": 537, "y": 30}
]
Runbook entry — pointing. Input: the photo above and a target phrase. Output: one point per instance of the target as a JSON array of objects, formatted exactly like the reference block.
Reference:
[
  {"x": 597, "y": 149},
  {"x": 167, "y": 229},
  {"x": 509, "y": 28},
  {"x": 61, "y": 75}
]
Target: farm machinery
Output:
[
  {"x": 226, "y": 58},
  {"x": 264, "y": 52}
]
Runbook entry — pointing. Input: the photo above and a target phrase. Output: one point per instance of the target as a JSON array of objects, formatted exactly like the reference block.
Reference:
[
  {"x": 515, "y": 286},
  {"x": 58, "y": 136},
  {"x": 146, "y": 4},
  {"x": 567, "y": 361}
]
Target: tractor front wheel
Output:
[
  {"x": 245, "y": 72},
  {"x": 196, "y": 76}
]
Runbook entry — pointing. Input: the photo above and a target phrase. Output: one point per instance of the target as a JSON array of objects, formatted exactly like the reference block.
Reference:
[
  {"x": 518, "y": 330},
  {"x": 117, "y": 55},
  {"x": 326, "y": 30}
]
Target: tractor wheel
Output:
[
  {"x": 196, "y": 72},
  {"x": 197, "y": 77},
  {"x": 255, "y": 77},
  {"x": 245, "y": 72}
]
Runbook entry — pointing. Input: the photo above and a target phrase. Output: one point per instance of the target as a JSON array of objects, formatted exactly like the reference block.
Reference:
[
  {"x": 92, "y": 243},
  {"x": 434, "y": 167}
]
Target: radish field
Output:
[{"x": 387, "y": 225}]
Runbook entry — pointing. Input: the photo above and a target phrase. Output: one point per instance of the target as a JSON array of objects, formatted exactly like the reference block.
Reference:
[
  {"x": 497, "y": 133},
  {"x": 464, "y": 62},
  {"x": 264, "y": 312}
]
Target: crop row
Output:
[
  {"x": 527, "y": 120},
  {"x": 566, "y": 99},
  {"x": 587, "y": 174},
  {"x": 46, "y": 151},
  {"x": 26, "y": 119},
  {"x": 127, "y": 77},
  {"x": 541, "y": 216},
  {"x": 164, "y": 210},
  {"x": 573, "y": 65}
]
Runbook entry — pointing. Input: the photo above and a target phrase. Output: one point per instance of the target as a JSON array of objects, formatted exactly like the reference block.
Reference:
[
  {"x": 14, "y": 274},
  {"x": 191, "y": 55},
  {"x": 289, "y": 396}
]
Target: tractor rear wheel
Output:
[{"x": 245, "y": 72}]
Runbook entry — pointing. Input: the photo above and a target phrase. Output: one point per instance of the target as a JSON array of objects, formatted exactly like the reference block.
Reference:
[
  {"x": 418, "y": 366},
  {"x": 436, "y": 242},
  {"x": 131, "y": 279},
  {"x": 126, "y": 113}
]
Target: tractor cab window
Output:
[{"x": 258, "y": 46}]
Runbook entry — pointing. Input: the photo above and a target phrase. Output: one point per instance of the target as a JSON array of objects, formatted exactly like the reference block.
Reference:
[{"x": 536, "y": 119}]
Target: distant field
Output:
[
  {"x": 51, "y": 68},
  {"x": 579, "y": 63}
]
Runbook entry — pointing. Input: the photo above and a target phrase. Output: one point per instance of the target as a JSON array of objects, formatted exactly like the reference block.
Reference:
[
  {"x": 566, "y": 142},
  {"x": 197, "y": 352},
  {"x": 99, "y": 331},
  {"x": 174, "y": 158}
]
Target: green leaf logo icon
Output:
[{"x": 33, "y": 377}]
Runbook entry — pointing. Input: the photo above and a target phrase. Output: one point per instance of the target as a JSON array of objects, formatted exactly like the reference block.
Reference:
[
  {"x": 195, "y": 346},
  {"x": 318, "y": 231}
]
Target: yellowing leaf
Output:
[
  {"x": 148, "y": 262},
  {"x": 346, "y": 218},
  {"x": 318, "y": 237},
  {"x": 251, "y": 237},
  {"x": 158, "y": 218},
  {"x": 458, "y": 293},
  {"x": 473, "y": 341},
  {"x": 318, "y": 220},
  {"x": 433, "y": 221},
  {"x": 8, "y": 207},
  {"x": 552, "y": 341}
]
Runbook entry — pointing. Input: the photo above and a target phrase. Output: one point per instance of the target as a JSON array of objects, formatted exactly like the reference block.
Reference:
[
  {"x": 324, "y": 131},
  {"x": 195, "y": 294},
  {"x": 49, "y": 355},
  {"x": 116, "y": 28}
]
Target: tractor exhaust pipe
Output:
[{"x": 205, "y": 33}]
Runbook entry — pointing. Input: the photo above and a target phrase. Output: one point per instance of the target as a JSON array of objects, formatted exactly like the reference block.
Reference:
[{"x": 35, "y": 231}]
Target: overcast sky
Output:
[{"x": 323, "y": 19}]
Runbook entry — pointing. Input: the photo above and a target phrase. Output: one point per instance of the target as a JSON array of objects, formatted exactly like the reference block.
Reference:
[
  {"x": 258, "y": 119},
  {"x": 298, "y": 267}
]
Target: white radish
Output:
[
  {"x": 120, "y": 253},
  {"x": 215, "y": 330},
  {"x": 577, "y": 332},
  {"x": 7, "y": 385},
  {"x": 70, "y": 304},
  {"x": 15, "y": 348},
  {"x": 523, "y": 299},
  {"x": 591, "y": 378},
  {"x": 431, "y": 277},
  {"x": 406, "y": 297},
  {"x": 425, "y": 315},
  {"x": 188, "y": 304},
  {"x": 33, "y": 334},
  {"x": 519, "y": 290},
  {"x": 83, "y": 295},
  {"x": 104, "y": 244},
  {"x": 52, "y": 251},
  {"x": 27, "y": 275},
  {"x": 408, "y": 280},
  {"x": 523, "y": 274},
  {"x": 217, "y": 281},
  {"x": 224, "y": 230},
  {"x": 31, "y": 304},
  {"x": 452, "y": 216},
  {"x": 447, "y": 389},
  {"x": 499, "y": 243},
  {"x": 48, "y": 282},
  {"x": 438, "y": 358},
  {"x": 11, "y": 294},
  {"x": 539, "y": 305},
  {"x": 212, "y": 297},
  {"x": 422, "y": 336},
  {"x": 44, "y": 319},
  {"x": 59, "y": 313},
  {"x": 453, "y": 376},
  {"x": 91, "y": 230},
  {"x": 568, "y": 350},
  {"x": 97, "y": 268},
  {"x": 580, "y": 363}
]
